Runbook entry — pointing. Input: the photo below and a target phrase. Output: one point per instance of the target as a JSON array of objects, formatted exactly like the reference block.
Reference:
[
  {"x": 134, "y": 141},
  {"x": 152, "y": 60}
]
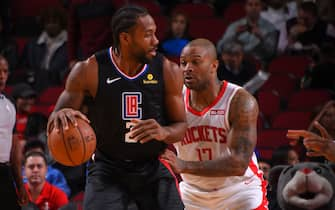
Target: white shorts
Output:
[{"x": 240, "y": 196}]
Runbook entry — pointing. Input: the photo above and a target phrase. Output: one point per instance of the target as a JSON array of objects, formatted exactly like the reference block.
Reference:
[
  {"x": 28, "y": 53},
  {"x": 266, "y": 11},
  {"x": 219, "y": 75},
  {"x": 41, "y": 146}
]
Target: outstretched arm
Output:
[
  {"x": 174, "y": 102},
  {"x": 241, "y": 141},
  {"x": 81, "y": 81}
]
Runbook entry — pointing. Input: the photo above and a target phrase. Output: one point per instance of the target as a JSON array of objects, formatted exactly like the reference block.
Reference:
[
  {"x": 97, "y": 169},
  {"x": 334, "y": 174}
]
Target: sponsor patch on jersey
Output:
[
  {"x": 150, "y": 80},
  {"x": 131, "y": 102},
  {"x": 217, "y": 112}
]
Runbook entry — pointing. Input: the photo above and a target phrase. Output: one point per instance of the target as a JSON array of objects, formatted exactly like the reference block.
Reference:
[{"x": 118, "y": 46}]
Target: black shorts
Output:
[
  {"x": 8, "y": 196},
  {"x": 122, "y": 185}
]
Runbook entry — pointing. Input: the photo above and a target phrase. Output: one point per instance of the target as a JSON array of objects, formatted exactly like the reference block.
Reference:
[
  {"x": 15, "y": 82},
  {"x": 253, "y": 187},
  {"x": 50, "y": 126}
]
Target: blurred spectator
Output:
[
  {"x": 306, "y": 32},
  {"x": 177, "y": 35},
  {"x": 46, "y": 56},
  {"x": 8, "y": 47},
  {"x": 284, "y": 155},
  {"x": 265, "y": 166},
  {"x": 75, "y": 176},
  {"x": 88, "y": 28},
  {"x": 278, "y": 12},
  {"x": 36, "y": 127},
  {"x": 40, "y": 191},
  {"x": 322, "y": 75},
  {"x": 259, "y": 37},
  {"x": 24, "y": 97},
  {"x": 234, "y": 67},
  {"x": 53, "y": 175}
]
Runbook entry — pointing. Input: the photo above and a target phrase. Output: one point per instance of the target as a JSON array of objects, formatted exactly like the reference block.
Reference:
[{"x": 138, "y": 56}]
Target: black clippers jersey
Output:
[{"x": 119, "y": 99}]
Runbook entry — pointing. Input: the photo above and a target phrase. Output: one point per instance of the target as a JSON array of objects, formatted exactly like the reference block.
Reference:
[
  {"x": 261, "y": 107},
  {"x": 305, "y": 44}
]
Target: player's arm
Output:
[
  {"x": 147, "y": 130},
  {"x": 79, "y": 82},
  {"x": 241, "y": 141},
  {"x": 16, "y": 167},
  {"x": 174, "y": 102}
]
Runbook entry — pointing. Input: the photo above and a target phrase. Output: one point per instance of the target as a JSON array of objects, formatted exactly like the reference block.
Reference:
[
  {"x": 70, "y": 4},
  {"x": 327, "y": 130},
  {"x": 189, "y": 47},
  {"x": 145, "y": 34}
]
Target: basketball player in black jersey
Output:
[{"x": 136, "y": 109}]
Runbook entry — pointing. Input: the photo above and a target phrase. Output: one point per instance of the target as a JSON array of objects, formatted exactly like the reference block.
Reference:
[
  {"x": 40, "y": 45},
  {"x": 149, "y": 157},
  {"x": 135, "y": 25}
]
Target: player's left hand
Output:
[
  {"x": 175, "y": 163},
  {"x": 147, "y": 130}
]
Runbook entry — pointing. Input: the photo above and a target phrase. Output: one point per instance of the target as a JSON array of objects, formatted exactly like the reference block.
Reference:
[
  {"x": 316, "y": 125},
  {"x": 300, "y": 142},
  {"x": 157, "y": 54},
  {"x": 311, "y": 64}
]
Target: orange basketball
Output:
[{"x": 74, "y": 146}]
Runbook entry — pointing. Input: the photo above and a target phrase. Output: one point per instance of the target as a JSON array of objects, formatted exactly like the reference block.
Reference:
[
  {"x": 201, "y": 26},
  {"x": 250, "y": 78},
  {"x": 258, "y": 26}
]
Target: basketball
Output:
[{"x": 74, "y": 146}]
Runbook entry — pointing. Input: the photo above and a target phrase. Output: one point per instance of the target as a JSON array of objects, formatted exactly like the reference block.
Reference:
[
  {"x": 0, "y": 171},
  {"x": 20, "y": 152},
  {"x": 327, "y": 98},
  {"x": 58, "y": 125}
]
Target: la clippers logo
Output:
[{"x": 131, "y": 105}]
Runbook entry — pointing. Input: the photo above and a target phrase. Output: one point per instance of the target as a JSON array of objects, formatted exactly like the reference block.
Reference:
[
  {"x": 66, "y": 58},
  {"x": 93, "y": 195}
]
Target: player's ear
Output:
[
  {"x": 215, "y": 65},
  {"x": 124, "y": 37}
]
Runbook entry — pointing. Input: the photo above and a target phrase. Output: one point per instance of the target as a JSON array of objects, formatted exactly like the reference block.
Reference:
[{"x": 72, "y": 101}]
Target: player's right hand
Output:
[
  {"x": 175, "y": 163},
  {"x": 62, "y": 118}
]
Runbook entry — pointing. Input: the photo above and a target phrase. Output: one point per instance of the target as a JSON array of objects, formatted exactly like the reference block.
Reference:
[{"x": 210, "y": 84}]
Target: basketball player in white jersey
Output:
[
  {"x": 216, "y": 158},
  {"x": 10, "y": 163}
]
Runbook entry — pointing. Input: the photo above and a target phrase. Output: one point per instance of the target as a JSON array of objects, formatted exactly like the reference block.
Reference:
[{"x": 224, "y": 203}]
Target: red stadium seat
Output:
[
  {"x": 23, "y": 8},
  {"x": 119, "y": 3},
  {"x": 269, "y": 103},
  {"x": 234, "y": 11},
  {"x": 282, "y": 84},
  {"x": 265, "y": 153},
  {"x": 162, "y": 25},
  {"x": 293, "y": 65},
  {"x": 153, "y": 7},
  {"x": 195, "y": 10},
  {"x": 309, "y": 99},
  {"x": 43, "y": 109},
  {"x": 50, "y": 95},
  {"x": 21, "y": 43},
  {"x": 261, "y": 122},
  {"x": 292, "y": 120},
  {"x": 211, "y": 28},
  {"x": 271, "y": 138}
]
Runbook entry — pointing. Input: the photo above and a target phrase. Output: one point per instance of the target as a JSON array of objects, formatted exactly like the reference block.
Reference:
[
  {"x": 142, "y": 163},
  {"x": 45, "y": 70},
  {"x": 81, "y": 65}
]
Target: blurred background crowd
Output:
[{"x": 281, "y": 51}]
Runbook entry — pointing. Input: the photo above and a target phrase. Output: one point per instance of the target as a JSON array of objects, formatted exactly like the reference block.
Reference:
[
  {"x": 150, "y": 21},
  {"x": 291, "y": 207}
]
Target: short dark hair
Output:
[
  {"x": 33, "y": 144},
  {"x": 35, "y": 154},
  {"x": 123, "y": 19}
]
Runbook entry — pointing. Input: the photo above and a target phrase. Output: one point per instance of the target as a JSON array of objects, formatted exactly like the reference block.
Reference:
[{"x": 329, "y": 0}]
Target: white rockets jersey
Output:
[
  {"x": 7, "y": 122},
  {"x": 206, "y": 139}
]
